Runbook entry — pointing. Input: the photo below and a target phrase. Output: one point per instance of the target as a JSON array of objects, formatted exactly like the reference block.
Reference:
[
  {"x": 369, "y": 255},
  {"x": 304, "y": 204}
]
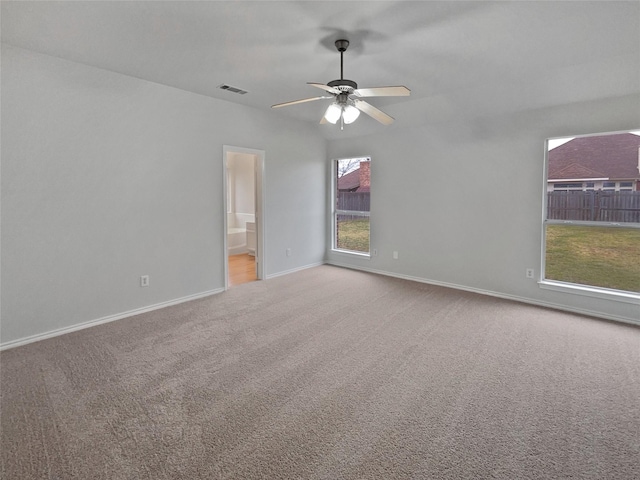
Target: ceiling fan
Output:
[{"x": 347, "y": 103}]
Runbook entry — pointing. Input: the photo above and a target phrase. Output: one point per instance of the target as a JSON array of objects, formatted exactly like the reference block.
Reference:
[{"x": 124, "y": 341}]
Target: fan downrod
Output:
[{"x": 343, "y": 84}]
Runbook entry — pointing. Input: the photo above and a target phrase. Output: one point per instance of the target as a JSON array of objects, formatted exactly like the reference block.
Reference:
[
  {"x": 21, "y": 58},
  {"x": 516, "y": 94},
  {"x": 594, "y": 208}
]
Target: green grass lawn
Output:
[
  {"x": 353, "y": 235},
  {"x": 597, "y": 256}
]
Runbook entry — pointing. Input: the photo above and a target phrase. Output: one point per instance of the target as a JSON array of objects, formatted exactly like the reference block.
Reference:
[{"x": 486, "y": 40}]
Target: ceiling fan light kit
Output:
[
  {"x": 333, "y": 113},
  {"x": 346, "y": 96},
  {"x": 349, "y": 114}
]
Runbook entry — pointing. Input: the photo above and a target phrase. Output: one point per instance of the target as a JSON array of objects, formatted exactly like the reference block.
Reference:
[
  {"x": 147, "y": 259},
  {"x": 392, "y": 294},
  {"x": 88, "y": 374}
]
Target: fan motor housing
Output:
[{"x": 343, "y": 85}]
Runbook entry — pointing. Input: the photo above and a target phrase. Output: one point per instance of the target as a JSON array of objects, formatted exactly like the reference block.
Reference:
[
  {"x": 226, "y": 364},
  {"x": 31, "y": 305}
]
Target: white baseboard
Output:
[
  {"x": 237, "y": 250},
  {"x": 138, "y": 311},
  {"x": 287, "y": 272},
  {"x": 506, "y": 296},
  {"x": 111, "y": 318}
]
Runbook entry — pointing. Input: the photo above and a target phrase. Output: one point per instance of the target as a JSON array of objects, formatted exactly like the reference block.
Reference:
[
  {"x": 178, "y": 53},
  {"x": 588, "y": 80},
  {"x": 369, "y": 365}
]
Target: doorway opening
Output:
[{"x": 244, "y": 226}]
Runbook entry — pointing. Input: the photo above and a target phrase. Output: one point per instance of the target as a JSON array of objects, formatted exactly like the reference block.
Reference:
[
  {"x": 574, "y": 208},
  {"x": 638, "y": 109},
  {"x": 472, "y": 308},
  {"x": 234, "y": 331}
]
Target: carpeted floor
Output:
[{"x": 332, "y": 374}]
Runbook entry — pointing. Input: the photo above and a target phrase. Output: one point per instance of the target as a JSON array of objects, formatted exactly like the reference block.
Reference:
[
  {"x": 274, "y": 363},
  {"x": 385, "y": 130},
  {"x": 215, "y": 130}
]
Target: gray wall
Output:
[
  {"x": 242, "y": 185},
  {"x": 462, "y": 201},
  {"x": 106, "y": 177}
]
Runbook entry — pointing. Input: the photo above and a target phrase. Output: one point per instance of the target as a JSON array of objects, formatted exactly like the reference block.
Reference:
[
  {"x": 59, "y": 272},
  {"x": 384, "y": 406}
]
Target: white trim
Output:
[
  {"x": 490, "y": 293},
  {"x": 545, "y": 208},
  {"x": 110, "y": 318},
  {"x": 589, "y": 291},
  {"x": 225, "y": 220},
  {"x": 293, "y": 270},
  {"x": 351, "y": 252}
]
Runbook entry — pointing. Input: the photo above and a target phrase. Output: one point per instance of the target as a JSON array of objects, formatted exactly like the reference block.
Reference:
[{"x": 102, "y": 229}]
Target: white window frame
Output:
[
  {"x": 335, "y": 212},
  {"x": 574, "y": 288}
]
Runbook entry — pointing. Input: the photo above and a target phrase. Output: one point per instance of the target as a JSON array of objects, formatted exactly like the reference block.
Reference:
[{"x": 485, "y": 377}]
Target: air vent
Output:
[{"x": 229, "y": 88}]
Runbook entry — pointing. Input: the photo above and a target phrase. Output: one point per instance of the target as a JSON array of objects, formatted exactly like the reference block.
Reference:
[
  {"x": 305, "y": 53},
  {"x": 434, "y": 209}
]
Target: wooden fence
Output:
[
  {"x": 594, "y": 206},
  {"x": 590, "y": 206},
  {"x": 353, "y": 201},
  {"x": 358, "y": 201}
]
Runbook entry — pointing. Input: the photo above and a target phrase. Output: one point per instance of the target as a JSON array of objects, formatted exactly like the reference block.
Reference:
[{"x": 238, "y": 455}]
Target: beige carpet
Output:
[{"x": 328, "y": 374}]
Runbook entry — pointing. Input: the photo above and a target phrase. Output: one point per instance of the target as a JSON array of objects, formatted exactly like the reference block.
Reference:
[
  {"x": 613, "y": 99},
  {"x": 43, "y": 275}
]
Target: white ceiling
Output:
[{"x": 458, "y": 58}]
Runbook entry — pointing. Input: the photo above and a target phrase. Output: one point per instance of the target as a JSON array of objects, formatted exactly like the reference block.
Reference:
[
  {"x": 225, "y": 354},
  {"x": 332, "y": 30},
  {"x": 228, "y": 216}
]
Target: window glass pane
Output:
[
  {"x": 352, "y": 233},
  {"x": 352, "y": 204},
  {"x": 597, "y": 256}
]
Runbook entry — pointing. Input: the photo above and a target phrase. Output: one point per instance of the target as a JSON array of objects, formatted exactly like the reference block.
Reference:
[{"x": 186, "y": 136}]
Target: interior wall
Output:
[
  {"x": 243, "y": 171},
  {"x": 106, "y": 178},
  {"x": 461, "y": 201}
]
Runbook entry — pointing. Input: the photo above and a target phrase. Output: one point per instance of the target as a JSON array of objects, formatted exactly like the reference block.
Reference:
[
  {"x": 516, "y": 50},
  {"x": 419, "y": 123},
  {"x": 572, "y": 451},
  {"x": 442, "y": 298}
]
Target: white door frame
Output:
[{"x": 260, "y": 201}]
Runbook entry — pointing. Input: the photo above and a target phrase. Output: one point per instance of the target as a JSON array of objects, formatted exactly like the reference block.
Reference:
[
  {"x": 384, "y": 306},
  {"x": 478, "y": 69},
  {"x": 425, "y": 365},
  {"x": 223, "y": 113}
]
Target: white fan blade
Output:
[
  {"x": 373, "y": 112},
  {"x": 295, "y": 102},
  {"x": 398, "y": 91},
  {"x": 327, "y": 88}
]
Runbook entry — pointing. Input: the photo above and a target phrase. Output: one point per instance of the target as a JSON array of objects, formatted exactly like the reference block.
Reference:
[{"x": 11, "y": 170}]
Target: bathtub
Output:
[{"x": 236, "y": 241}]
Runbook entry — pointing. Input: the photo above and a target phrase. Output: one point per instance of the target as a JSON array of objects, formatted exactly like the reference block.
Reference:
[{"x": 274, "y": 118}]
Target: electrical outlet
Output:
[
  {"x": 395, "y": 255},
  {"x": 144, "y": 281},
  {"x": 529, "y": 272},
  {"x": 288, "y": 252}
]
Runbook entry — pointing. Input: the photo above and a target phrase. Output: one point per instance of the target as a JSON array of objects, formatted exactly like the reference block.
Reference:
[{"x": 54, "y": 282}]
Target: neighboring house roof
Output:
[
  {"x": 357, "y": 180},
  {"x": 576, "y": 170},
  {"x": 602, "y": 156},
  {"x": 350, "y": 181}
]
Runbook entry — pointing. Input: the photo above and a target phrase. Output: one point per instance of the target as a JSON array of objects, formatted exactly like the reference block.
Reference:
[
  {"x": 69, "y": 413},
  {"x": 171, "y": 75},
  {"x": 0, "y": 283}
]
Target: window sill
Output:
[
  {"x": 608, "y": 294},
  {"x": 352, "y": 253}
]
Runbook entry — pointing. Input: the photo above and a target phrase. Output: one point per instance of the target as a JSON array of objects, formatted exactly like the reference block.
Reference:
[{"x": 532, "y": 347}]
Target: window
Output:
[
  {"x": 592, "y": 233},
  {"x": 558, "y": 187},
  {"x": 352, "y": 198},
  {"x": 568, "y": 187}
]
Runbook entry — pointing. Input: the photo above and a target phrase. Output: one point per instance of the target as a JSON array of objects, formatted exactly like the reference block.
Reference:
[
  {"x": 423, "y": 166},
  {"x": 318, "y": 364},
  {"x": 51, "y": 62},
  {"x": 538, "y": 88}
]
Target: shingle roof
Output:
[
  {"x": 602, "y": 156},
  {"x": 349, "y": 181},
  {"x": 575, "y": 170}
]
